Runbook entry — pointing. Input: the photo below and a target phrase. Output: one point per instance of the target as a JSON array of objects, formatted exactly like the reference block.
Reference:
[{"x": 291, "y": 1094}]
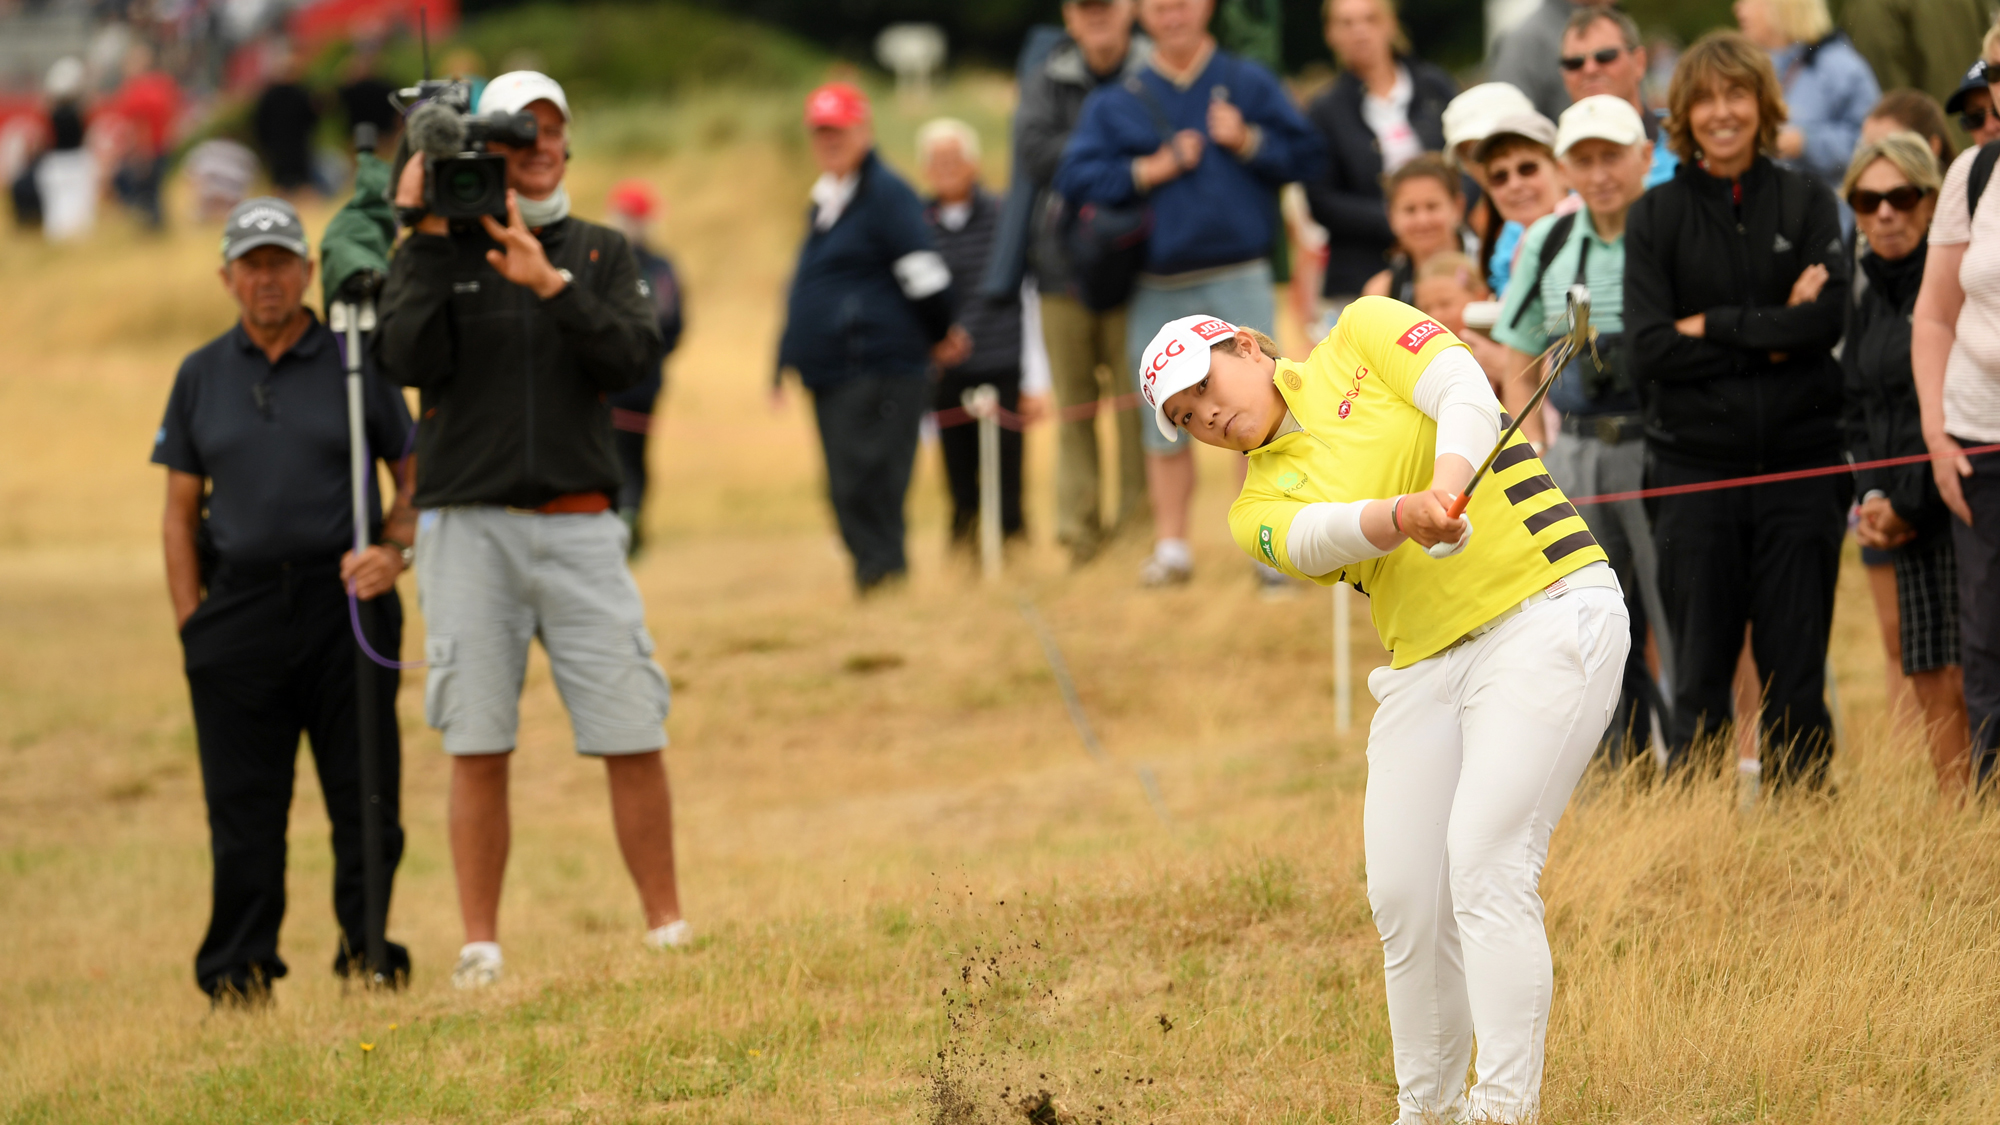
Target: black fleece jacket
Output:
[
  {"x": 513, "y": 386},
  {"x": 1760, "y": 389},
  {"x": 1882, "y": 416}
]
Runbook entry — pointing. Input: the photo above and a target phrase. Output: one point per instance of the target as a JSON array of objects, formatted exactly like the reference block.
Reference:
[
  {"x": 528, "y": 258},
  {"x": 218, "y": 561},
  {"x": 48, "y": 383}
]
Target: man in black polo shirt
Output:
[{"x": 258, "y": 534}]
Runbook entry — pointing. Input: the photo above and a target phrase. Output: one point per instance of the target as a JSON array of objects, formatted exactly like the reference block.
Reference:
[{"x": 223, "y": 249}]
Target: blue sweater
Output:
[
  {"x": 1223, "y": 211},
  {"x": 847, "y": 314},
  {"x": 1829, "y": 89}
]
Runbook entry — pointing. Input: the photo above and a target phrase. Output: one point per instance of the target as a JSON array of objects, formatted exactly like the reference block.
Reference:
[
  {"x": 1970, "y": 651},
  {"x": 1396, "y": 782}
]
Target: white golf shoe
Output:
[{"x": 479, "y": 964}]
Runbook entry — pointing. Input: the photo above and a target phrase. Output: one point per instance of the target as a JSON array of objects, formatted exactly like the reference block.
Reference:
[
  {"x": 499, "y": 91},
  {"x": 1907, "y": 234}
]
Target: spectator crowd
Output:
[{"x": 1776, "y": 252}]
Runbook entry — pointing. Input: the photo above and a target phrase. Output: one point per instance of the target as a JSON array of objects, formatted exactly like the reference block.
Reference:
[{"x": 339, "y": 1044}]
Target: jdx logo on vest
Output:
[{"x": 1419, "y": 334}]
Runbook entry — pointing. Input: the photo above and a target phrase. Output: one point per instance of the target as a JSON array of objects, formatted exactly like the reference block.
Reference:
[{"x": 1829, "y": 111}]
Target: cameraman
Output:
[{"x": 514, "y": 335}]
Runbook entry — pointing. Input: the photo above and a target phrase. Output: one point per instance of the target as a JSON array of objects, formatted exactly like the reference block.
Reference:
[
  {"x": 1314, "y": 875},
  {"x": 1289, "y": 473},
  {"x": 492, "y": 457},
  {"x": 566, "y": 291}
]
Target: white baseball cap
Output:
[
  {"x": 1473, "y": 115},
  {"x": 515, "y": 90},
  {"x": 1176, "y": 360},
  {"x": 1602, "y": 117}
]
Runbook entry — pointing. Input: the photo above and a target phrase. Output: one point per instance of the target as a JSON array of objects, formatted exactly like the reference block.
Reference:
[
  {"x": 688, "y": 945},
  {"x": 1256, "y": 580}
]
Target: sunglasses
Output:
[
  {"x": 1974, "y": 119},
  {"x": 1602, "y": 57},
  {"x": 1904, "y": 198},
  {"x": 1526, "y": 169}
]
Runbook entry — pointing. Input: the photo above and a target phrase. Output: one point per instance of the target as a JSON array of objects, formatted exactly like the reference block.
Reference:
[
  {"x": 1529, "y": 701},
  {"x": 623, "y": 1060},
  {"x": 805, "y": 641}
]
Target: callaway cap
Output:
[
  {"x": 1530, "y": 126},
  {"x": 1974, "y": 81},
  {"x": 1599, "y": 117},
  {"x": 836, "y": 105},
  {"x": 515, "y": 90},
  {"x": 1472, "y": 116},
  {"x": 263, "y": 221},
  {"x": 1176, "y": 360}
]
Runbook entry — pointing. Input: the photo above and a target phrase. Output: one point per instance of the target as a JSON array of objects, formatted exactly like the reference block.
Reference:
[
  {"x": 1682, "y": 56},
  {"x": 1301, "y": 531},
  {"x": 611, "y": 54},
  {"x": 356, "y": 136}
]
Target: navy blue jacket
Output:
[
  {"x": 1226, "y": 209},
  {"x": 848, "y": 314}
]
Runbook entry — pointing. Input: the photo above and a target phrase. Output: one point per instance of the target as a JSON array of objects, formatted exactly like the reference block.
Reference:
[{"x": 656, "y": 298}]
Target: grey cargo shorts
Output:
[{"x": 491, "y": 579}]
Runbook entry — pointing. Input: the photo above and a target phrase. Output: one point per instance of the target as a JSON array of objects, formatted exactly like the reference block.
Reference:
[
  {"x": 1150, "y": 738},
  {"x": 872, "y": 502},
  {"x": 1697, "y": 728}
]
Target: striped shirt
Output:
[{"x": 1972, "y": 374}]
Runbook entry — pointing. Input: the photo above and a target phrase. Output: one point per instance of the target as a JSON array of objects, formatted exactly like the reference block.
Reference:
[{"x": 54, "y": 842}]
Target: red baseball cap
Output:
[
  {"x": 634, "y": 198},
  {"x": 836, "y": 105}
]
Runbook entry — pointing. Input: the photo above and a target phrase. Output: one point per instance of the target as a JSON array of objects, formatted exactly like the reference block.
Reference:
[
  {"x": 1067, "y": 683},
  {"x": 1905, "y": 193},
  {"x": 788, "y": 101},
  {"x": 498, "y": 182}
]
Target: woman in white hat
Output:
[{"x": 1507, "y": 650}]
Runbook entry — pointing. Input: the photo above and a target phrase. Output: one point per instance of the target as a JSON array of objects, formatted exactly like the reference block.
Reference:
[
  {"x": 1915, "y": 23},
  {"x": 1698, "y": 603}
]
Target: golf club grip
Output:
[{"x": 1458, "y": 504}]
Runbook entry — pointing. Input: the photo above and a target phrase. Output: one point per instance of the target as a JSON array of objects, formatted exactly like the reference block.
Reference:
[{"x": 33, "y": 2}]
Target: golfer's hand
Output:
[
  {"x": 1227, "y": 128},
  {"x": 372, "y": 572},
  {"x": 1806, "y": 289},
  {"x": 521, "y": 258},
  {"x": 1423, "y": 518},
  {"x": 410, "y": 193},
  {"x": 1880, "y": 527},
  {"x": 1949, "y": 464}
]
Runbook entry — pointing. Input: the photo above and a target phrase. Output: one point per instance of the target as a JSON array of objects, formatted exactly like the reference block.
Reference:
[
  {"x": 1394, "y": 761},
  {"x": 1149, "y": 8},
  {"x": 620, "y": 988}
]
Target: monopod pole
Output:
[{"x": 350, "y": 320}]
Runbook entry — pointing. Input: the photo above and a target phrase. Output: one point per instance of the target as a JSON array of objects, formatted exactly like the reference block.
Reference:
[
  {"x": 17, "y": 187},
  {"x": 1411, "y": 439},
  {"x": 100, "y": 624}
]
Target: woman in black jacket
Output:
[
  {"x": 1384, "y": 109},
  {"x": 1892, "y": 184},
  {"x": 1734, "y": 282}
]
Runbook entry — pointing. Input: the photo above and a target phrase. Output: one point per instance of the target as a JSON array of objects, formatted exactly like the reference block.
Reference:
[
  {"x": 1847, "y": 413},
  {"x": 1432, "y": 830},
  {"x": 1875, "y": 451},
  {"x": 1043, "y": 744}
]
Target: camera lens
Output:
[{"x": 466, "y": 186}]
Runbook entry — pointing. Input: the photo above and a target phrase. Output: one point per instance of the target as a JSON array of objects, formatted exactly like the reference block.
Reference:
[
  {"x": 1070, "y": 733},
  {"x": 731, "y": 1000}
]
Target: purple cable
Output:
[{"x": 353, "y": 602}]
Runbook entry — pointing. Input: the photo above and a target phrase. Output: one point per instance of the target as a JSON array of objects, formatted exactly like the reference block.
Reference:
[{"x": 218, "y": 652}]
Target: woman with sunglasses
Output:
[
  {"x": 1506, "y": 633},
  {"x": 1892, "y": 185},
  {"x": 1735, "y": 281},
  {"x": 1518, "y": 169}
]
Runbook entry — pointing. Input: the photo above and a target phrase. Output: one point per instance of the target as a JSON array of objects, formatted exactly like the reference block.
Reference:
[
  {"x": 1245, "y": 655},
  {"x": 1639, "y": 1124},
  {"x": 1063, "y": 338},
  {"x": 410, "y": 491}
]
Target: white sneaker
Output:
[
  {"x": 673, "y": 935},
  {"x": 479, "y": 964},
  {"x": 1164, "y": 569}
]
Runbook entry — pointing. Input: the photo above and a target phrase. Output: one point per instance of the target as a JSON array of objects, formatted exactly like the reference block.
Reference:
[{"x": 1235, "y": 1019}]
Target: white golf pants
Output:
[{"x": 1471, "y": 758}]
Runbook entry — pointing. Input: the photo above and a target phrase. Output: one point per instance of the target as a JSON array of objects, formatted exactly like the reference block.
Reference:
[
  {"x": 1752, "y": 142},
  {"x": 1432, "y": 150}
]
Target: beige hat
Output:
[
  {"x": 1530, "y": 126},
  {"x": 1472, "y": 115},
  {"x": 1603, "y": 117}
]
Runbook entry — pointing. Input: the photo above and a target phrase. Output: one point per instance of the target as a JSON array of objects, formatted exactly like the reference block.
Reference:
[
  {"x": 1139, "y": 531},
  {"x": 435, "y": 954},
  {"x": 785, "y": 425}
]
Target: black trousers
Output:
[
  {"x": 1978, "y": 548},
  {"x": 1767, "y": 557},
  {"x": 960, "y": 446},
  {"x": 868, "y": 428},
  {"x": 270, "y": 654}
]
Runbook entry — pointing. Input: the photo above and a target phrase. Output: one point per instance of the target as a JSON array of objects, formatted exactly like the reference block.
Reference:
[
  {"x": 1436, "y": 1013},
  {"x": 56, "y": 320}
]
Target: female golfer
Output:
[{"x": 1508, "y": 635}]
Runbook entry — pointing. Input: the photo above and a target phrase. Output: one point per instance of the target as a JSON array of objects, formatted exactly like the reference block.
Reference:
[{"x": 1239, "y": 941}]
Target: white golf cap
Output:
[
  {"x": 1176, "y": 360},
  {"x": 1528, "y": 126},
  {"x": 1601, "y": 117},
  {"x": 1473, "y": 115},
  {"x": 515, "y": 90}
]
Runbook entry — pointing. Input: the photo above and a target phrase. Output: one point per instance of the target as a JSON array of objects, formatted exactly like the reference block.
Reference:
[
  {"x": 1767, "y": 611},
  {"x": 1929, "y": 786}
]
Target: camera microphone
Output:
[{"x": 436, "y": 130}]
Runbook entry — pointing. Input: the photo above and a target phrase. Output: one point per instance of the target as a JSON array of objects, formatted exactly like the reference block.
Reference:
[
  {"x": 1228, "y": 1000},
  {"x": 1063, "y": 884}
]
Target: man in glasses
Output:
[
  {"x": 1525, "y": 56},
  {"x": 1601, "y": 55},
  {"x": 1973, "y": 103}
]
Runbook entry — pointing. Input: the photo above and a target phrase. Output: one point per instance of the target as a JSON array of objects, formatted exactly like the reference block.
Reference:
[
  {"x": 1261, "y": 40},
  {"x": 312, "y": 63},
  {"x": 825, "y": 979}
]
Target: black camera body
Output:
[{"x": 462, "y": 180}]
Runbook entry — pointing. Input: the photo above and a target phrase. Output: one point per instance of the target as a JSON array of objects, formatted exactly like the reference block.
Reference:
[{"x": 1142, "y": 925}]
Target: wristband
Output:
[{"x": 1395, "y": 513}]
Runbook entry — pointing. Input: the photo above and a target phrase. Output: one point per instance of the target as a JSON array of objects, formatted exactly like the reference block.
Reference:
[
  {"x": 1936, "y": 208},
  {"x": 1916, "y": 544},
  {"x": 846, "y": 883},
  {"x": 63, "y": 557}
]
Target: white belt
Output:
[{"x": 1596, "y": 574}]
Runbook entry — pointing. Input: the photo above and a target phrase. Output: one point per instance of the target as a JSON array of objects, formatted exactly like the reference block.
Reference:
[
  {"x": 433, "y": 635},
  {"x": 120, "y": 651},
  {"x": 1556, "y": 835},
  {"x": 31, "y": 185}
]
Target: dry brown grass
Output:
[{"x": 889, "y": 861}]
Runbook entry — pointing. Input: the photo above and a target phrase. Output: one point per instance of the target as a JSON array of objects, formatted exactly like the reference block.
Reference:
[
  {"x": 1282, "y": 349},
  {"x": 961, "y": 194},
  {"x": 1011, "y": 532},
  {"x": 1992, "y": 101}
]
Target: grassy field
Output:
[{"x": 919, "y": 900}]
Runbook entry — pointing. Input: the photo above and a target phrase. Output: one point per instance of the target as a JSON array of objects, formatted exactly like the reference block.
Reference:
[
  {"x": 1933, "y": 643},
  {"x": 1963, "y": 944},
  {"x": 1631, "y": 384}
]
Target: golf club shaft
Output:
[{"x": 1567, "y": 348}]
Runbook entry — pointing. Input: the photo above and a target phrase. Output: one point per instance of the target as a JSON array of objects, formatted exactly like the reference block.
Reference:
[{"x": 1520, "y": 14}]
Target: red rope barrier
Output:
[{"x": 1773, "y": 478}]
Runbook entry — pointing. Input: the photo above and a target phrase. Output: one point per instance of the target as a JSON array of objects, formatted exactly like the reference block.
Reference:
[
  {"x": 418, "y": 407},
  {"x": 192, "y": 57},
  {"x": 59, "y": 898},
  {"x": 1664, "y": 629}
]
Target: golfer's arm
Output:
[
  {"x": 1454, "y": 392},
  {"x": 177, "y": 534}
]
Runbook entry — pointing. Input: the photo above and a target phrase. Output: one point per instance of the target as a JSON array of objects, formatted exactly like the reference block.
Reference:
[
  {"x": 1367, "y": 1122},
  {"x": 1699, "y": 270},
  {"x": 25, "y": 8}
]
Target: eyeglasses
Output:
[
  {"x": 1904, "y": 198},
  {"x": 1526, "y": 169},
  {"x": 1974, "y": 119},
  {"x": 1602, "y": 57}
]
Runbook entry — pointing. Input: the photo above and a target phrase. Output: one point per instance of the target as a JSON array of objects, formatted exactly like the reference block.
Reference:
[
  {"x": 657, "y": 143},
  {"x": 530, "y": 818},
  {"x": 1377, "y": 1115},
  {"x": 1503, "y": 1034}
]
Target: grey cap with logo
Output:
[{"x": 263, "y": 221}]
